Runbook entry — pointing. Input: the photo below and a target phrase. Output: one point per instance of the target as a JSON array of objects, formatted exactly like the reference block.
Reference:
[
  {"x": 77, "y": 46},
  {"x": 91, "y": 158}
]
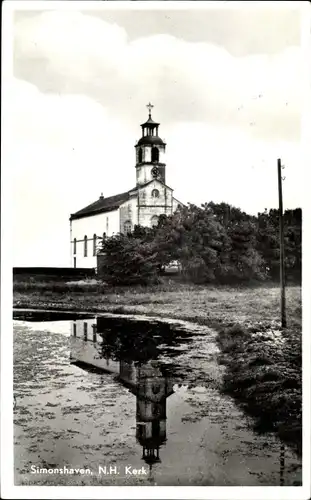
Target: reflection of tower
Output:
[
  {"x": 152, "y": 390},
  {"x": 100, "y": 347}
]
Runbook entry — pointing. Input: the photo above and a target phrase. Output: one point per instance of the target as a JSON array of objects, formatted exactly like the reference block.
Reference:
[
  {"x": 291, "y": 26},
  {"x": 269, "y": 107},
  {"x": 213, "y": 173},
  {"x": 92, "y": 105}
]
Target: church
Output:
[{"x": 142, "y": 205}]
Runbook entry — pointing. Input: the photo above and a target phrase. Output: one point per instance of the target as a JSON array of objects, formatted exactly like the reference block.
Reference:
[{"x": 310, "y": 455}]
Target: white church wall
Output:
[
  {"x": 146, "y": 150},
  {"x": 83, "y": 329},
  {"x": 150, "y": 206},
  {"x": 161, "y": 154},
  {"x": 108, "y": 222},
  {"x": 146, "y": 197},
  {"x": 143, "y": 174},
  {"x": 89, "y": 353},
  {"x": 147, "y": 153},
  {"x": 128, "y": 212}
]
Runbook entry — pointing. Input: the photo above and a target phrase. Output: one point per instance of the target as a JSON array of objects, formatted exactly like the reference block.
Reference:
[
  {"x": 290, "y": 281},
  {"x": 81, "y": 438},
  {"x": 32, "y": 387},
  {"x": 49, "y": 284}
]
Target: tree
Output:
[
  {"x": 213, "y": 243},
  {"x": 292, "y": 243},
  {"x": 128, "y": 260},
  {"x": 194, "y": 238},
  {"x": 268, "y": 242},
  {"x": 240, "y": 259}
]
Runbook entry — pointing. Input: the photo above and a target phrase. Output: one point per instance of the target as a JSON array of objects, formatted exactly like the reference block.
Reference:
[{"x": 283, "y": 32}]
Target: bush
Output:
[
  {"x": 128, "y": 261},
  {"x": 266, "y": 379}
]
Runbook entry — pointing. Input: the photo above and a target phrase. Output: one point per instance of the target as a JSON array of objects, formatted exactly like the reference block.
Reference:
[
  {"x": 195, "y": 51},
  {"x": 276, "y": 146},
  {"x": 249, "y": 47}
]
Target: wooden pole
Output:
[
  {"x": 282, "y": 464},
  {"x": 282, "y": 260}
]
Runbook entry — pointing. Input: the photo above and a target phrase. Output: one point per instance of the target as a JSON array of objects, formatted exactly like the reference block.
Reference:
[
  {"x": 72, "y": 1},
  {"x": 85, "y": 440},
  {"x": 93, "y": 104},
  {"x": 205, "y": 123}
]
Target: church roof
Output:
[
  {"x": 150, "y": 122},
  {"x": 101, "y": 205},
  {"x": 111, "y": 203},
  {"x": 154, "y": 180},
  {"x": 150, "y": 139}
]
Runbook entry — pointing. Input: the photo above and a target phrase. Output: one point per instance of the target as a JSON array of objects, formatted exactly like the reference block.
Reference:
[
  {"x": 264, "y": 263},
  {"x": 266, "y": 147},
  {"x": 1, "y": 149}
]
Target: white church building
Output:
[{"x": 142, "y": 205}]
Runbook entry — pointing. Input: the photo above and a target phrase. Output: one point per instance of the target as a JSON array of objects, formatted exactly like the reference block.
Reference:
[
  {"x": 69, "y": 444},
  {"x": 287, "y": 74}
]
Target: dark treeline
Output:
[{"x": 214, "y": 243}]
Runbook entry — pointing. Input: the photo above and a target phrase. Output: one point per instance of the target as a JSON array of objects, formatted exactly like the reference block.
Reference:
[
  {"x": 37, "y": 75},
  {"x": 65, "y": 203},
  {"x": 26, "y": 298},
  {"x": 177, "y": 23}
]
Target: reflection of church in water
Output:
[{"x": 144, "y": 379}]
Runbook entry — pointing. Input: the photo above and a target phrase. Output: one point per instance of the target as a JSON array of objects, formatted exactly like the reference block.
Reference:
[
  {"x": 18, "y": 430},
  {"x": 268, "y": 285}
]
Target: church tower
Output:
[
  {"x": 154, "y": 196},
  {"x": 150, "y": 153}
]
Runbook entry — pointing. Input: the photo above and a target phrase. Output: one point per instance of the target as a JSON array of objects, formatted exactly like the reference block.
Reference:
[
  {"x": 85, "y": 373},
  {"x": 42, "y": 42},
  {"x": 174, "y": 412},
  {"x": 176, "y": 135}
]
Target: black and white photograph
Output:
[{"x": 154, "y": 181}]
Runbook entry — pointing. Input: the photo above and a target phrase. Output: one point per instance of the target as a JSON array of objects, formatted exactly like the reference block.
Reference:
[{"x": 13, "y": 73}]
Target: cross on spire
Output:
[{"x": 150, "y": 106}]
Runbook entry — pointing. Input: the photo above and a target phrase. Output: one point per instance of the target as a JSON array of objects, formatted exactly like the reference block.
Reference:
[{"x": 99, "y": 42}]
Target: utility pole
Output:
[
  {"x": 282, "y": 259},
  {"x": 282, "y": 464}
]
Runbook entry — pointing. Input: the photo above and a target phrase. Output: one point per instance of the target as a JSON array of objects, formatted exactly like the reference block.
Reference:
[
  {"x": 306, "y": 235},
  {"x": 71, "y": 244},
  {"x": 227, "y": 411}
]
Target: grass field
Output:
[
  {"x": 202, "y": 304},
  {"x": 263, "y": 363}
]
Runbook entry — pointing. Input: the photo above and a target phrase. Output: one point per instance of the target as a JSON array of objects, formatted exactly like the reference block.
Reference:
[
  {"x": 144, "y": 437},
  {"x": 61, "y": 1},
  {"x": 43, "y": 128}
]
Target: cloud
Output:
[
  {"x": 64, "y": 150},
  {"x": 240, "y": 30},
  {"x": 73, "y": 52}
]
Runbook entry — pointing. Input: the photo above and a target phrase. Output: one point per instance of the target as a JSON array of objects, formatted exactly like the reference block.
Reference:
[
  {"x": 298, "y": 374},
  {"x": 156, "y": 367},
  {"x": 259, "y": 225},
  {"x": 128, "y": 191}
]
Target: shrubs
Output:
[
  {"x": 261, "y": 374},
  {"x": 214, "y": 243},
  {"x": 128, "y": 261}
]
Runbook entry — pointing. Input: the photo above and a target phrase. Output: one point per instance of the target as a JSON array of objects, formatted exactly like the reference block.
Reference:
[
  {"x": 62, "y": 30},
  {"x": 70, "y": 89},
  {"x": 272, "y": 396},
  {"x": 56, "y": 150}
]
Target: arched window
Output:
[
  {"x": 154, "y": 154},
  {"x": 127, "y": 227},
  {"x": 85, "y": 246},
  {"x": 154, "y": 220},
  {"x": 75, "y": 246},
  {"x": 140, "y": 155},
  {"x": 155, "y": 193},
  {"x": 94, "y": 245}
]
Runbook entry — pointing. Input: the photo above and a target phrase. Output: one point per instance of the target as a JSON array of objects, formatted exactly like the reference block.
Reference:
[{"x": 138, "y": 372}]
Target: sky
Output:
[{"x": 226, "y": 85}]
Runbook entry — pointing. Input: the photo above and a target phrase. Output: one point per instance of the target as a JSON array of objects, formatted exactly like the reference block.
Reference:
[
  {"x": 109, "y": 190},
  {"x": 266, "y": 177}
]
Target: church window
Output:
[
  {"x": 155, "y": 193},
  {"x": 75, "y": 246},
  {"x": 156, "y": 411},
  {"x": 156, "y": 424},
  {"x": 94, "y": 244},
  {"x": 154, "y": 220},
  {"x": 127, "y": 226},
  {"x": 85, "y": 246},
  {"x": 156, "y": 389},
  {"x": 140, "y": 155},
  {"x": 154, "y": 154},
  {"x": 141, "y": 430}
]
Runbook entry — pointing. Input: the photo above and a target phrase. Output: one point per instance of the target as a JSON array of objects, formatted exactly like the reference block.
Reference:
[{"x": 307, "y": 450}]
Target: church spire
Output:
[
  {"x": 150, "y": 127},
  {"x": 150, "y": 106}
]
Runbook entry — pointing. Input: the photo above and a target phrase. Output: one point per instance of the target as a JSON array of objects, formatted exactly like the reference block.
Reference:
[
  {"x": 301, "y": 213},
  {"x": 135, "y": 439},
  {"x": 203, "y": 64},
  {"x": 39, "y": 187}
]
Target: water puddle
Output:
[{"x": 113, "y": 394}]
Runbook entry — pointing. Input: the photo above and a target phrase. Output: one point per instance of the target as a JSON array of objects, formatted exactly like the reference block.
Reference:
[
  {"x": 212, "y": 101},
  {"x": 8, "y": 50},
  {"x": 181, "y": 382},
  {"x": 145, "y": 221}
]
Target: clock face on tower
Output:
[{"x": 155, "y": 172}]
